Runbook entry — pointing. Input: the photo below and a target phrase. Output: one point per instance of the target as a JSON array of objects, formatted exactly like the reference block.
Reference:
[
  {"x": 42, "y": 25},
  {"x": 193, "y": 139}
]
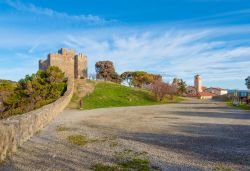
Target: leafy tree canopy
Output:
[
  {"x": 180, "y": 85},
  {"x": 32, "y": 92},
  {"x": 105, "y": 70},
  {"x": 139, "y": 78}
]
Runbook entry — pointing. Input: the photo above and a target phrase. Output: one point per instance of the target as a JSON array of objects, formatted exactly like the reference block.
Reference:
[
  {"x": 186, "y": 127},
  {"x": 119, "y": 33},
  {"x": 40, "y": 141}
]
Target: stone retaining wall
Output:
[{"x": 14, "y": 131}]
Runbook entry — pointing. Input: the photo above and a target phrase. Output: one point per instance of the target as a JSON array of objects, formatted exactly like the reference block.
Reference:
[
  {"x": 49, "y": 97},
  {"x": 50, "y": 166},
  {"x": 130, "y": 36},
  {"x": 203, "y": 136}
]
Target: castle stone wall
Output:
[
  {"x": 14, "y": 131},
  {"x": 43, "y": 64},
  {"x": 64, "y": 61},
  {"x": 74, "y": 66}
]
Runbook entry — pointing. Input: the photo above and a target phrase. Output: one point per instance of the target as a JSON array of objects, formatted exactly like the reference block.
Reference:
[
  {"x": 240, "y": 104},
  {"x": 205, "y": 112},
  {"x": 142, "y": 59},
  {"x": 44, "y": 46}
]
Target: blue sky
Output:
[{"x": 173, "y": 38}]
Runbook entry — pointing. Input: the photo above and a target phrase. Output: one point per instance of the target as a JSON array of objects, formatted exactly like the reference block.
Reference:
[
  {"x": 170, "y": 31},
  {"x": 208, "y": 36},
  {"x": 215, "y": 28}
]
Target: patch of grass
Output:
[
  {"x": 114, "y": 144},
  {"x": 222, "y": 167},
  {"x": 38, "y": 132},
  {"x": 129, "y": 165},
  {"x": 176, "y": 99},
  {"x": 102, "y": 167},
  {"x": 80, "y": 140},
  {"x": 136, "y": 164},
  {"x": 128, "y": 160},
  {"x": 83, "y": 140},
  {"x": 74, "y": 97},
  {"x": 108, "y": 94},
  {"x": 61, "y": 128},
  {"x": 241, "y": 106},
  {"x": 2, "y": 162}
]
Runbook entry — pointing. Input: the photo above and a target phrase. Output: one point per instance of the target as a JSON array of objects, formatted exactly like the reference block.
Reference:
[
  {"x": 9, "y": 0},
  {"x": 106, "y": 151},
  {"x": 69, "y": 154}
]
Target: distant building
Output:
[
  {"x": 193, "y": 90},
  {"x": 217, "y": 91},
  {"x": 72, "y": 64},
  {"x": 198, "y": 83},
  {"x": 239, "y": 96},
  {"x": 203, "y": 92}
]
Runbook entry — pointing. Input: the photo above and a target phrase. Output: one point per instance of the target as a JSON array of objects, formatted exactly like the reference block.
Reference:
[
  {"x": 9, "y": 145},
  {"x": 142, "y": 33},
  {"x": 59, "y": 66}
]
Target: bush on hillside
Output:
[
  {"x": 6, "y": 90},
  {"x": 32, "y": 92}
]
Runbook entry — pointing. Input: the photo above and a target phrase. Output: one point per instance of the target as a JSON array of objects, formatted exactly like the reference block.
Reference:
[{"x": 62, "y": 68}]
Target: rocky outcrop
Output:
[{"x": 14, "y": 131}]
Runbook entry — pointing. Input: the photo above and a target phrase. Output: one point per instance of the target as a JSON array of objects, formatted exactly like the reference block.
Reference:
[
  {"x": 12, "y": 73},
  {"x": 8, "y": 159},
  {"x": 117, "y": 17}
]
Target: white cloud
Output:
[
  {"x": 179, "y": 52},
  {"x": 52, "y": 13},
  {"x": 173, "y": 52}
]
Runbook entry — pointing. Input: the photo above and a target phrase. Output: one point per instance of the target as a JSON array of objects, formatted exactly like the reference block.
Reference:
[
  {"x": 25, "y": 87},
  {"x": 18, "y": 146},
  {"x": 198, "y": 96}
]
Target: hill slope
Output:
[
  {"x": 108, "y": 94},
  {"x": 82, "y": 88}
]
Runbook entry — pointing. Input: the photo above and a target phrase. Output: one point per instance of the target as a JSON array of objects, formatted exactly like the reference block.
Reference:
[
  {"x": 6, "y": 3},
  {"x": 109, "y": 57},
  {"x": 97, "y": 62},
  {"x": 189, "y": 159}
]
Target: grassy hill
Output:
[{"x": 108, "y": 94}]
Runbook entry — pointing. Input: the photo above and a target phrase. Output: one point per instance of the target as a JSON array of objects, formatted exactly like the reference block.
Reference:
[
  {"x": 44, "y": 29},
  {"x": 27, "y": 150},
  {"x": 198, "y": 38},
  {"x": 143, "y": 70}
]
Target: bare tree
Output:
[{"x": 161, "y": 89}]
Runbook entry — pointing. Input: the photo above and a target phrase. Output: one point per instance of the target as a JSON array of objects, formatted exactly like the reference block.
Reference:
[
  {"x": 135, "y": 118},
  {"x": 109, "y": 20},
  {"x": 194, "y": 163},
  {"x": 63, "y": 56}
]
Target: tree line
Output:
[{"x": 105, "y": 71}]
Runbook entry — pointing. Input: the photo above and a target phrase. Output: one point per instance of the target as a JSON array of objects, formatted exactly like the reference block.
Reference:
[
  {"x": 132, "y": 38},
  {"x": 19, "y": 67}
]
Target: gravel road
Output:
[{"x": 192, "y": 135}]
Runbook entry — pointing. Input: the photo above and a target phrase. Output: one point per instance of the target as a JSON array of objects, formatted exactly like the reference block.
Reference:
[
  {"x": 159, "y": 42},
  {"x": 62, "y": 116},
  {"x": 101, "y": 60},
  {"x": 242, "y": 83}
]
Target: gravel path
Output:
[{"x": 192, "y": 135}]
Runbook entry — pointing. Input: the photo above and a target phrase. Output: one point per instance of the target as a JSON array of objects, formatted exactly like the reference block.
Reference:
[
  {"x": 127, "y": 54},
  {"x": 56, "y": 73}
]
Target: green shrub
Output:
[
  {"x": 32, "y": 92},
  {"x": 240, "y": 106},
  {"x": 80, "y": 140}
]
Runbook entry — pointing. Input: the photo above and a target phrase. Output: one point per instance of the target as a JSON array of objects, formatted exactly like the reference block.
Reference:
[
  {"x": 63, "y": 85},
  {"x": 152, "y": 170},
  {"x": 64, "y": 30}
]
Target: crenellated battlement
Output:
[{"x": 66, "y": 52}]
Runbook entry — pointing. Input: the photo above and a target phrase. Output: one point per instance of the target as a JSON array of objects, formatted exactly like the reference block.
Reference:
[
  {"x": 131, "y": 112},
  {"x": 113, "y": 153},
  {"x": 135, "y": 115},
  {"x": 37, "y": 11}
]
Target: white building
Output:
[{"x": 217, "y": 91}]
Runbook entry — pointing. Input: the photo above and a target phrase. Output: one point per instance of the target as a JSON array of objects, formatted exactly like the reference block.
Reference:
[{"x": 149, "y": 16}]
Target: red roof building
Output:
[
  {"x": 203, "y": 92},
  {"x": 206, "y": 95}
]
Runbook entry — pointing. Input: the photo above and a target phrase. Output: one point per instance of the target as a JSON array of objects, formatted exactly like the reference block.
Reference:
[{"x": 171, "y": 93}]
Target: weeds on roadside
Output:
[
  {"x": 128, "y": 160},
  {"x": 103, "y": 167},
  {"x": 114, "y": 144},
  {"x": 80, "y": 140},
  {"x": 222, "y": 167}
]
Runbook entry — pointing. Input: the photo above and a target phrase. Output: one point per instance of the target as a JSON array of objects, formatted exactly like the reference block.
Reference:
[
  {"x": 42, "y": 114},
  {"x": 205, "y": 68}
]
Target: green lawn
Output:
[
  {"x": 108, "y": 94},
  {"x": 241, "y": 106}
]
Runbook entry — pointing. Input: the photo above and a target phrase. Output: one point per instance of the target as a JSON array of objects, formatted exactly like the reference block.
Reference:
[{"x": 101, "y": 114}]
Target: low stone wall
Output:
[{"x": 14, "y": 131}]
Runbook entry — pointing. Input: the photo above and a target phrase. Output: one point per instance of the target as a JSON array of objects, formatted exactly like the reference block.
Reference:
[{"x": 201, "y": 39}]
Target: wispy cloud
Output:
[
  {"x": 18, "y": 5},
  {"x": 180, "y": 52}
]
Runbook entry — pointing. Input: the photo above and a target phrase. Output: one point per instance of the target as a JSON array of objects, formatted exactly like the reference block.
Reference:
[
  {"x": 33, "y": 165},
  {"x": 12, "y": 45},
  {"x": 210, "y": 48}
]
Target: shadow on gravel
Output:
[
  {"x": 212, "y": 107},
  {"x": 198, "y": 103},
  {"x": 45, "y": 153},
  {"x": 228, "y": 115},
  {"x": 212, "y": 142}
]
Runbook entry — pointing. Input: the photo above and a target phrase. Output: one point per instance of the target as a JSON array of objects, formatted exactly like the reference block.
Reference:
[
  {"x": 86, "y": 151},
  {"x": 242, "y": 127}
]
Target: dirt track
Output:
[{"x": 192, "y": 135}]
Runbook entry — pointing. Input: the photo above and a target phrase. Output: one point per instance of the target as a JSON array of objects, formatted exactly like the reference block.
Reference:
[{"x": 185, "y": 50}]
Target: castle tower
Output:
[
  {"x": 81, "y": 66},
  {"x": 64, "y": 59},
  {"x": 74, "y": 66},
  {"x": 198, "y": 83}
]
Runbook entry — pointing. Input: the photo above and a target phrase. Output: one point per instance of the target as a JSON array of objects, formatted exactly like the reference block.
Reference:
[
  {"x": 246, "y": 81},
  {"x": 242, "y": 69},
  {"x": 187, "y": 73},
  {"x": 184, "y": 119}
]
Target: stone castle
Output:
[{"x": 72, "y": 64}]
